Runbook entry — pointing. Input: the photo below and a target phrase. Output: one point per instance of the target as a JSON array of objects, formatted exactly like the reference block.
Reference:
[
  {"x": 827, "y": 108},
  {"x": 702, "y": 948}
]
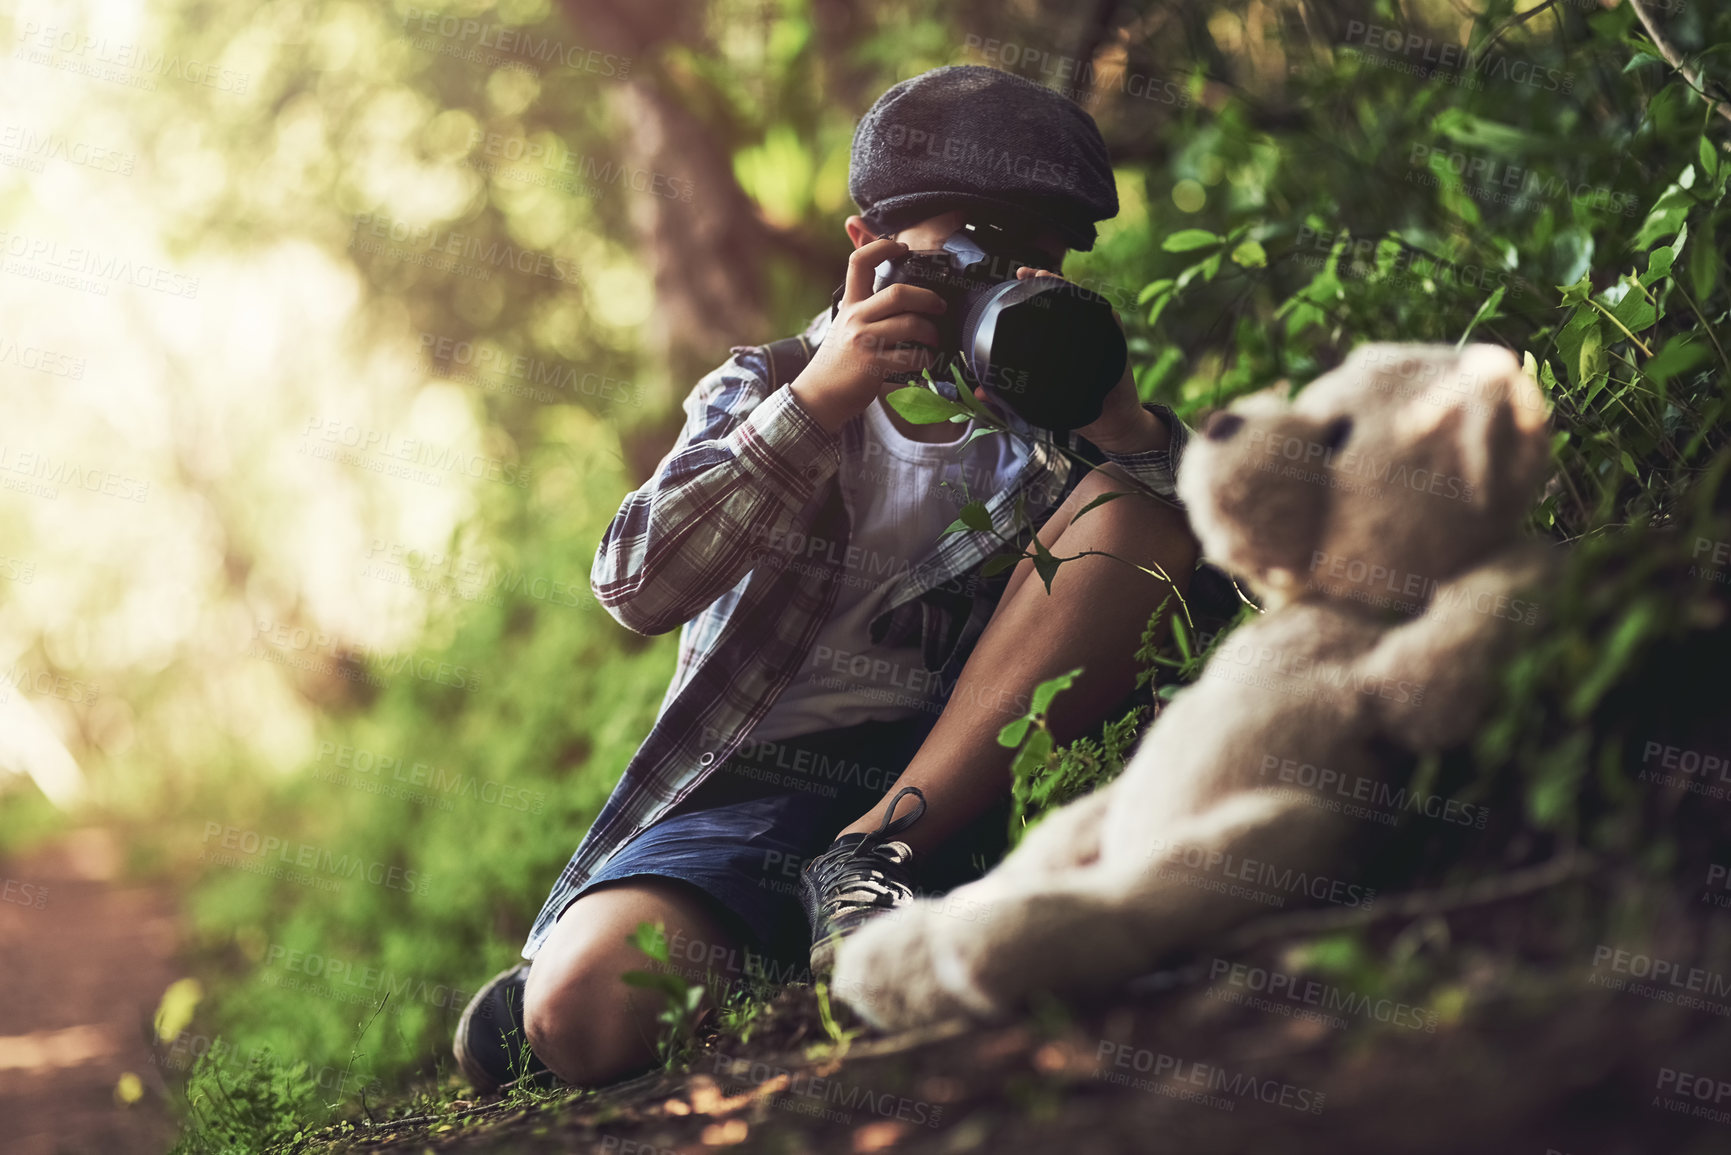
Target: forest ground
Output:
[
  {"x": 84, "y": 975},
  {"x": 1530, "y": 1058}
]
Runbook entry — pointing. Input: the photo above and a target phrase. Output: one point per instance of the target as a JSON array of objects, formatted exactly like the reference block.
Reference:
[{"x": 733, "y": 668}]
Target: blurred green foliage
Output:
[{"x": 1384, "y": 210}]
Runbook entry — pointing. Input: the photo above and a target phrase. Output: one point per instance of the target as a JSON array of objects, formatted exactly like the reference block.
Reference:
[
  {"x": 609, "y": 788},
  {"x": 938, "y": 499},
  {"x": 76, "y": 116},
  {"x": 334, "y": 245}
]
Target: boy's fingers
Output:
[
  {"x": 861, "y": 265},
  {"x": 905, "y": 327},
  {"x": 899, "y": 298}
]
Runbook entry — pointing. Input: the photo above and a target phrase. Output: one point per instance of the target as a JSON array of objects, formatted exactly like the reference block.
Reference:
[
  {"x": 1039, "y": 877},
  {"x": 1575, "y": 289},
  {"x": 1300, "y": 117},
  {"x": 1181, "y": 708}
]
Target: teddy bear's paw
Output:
[{"x": 886, "y": 971}]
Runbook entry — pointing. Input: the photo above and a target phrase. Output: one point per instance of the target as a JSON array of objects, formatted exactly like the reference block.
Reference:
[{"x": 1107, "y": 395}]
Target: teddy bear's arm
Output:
[
  {"x": 1437, "y": 674},
  {"x": 1083, "y": 929}
]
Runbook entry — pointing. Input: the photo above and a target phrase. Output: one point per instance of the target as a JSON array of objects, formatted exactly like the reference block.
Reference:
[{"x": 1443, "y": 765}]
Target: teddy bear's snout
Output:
[{"x": 1221, "y": 425}]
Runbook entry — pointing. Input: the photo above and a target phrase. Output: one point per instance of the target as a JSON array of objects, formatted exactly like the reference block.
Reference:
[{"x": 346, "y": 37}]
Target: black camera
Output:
[{"x": 1046, "y": 346}]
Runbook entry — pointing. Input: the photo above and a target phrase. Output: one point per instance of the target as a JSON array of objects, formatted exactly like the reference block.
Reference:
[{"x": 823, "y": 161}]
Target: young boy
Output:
[{"x": 828, "y": 743}]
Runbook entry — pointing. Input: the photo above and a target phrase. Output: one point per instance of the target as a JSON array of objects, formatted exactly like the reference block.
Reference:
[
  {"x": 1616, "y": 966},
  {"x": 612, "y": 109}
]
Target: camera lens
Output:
[{"x": 1048, "y": 347}]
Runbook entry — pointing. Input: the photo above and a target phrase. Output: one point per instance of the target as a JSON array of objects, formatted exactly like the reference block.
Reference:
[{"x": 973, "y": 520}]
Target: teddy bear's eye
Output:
[
  {"x": 1221, "y": 425},
  {"x": 1335, "y": 433}
]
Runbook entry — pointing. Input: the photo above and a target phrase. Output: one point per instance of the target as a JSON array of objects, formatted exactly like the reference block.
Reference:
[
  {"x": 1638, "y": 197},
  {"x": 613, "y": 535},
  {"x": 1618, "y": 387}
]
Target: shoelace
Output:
[{"x": 859, "y": 878}]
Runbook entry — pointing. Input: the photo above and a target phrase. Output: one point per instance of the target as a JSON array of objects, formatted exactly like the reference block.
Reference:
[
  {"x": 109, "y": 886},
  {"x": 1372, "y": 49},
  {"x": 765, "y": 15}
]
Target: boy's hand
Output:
[
  {"x": 1123, "y": 426},
  {"x": 859, "y": 350}
]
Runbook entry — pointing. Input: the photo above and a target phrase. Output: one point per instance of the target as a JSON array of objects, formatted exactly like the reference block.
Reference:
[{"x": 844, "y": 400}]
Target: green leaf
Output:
[
  {"x": 1593, "y": 361},
  {"x": 1577, "y": 293},
  {"x": 1459, "y": 125},
  {"x": 1012, "y": 733},
  {"x": 1570, "y": 338},
  {"x": 1627, "y": 637},
  {"x": 1659, "y": 263},
  {"x": 965, "y": 396},
  {"x": 651, "y": 939},
  {"x": 1704, "y": 264},
  {"x": 1669, "y": 211},
  {"x": 1709, "y": 157},
  {"x": 1548, "y": 379},
  {"x": 1150, "y": 378},
  {"x": 1596, "y": 385},
  {"x": 1188, "y": 240},
  {"x": 1550, "y": 796},
  {"x": 670, "y": 985},
  {"x": 1153, "y": 289},
  {"x": 1041, "y": 699},
  {"x": 1190, "y": 274},
  {"x": 1635, "y": 311},
  {"x": 1181, "y": 636},
  {"x": 1486, "y": 311},
  {"x": 998, "y": 564},
  {"x": 923, "y": 407},
  {"x": 1044, "y": 563},
  {"x": 1681, "y": 354},
  {"x": 1032, "y": 757},
  {"x": 1098, "y": 501},
  {"x": 1250, "y": 255},
  {"x": 975, "y": 517}
]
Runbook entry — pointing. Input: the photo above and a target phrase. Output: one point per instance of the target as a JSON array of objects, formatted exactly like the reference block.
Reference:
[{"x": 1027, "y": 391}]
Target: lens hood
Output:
[{"x": 1048, "y": 347}]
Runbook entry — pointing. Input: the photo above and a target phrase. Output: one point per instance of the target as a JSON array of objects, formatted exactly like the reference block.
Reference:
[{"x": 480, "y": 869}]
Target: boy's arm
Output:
[
  {"x": 746, "y": 461},
  {"x": 1152, "y": 455},
  {"x": 749, "y": 459}
]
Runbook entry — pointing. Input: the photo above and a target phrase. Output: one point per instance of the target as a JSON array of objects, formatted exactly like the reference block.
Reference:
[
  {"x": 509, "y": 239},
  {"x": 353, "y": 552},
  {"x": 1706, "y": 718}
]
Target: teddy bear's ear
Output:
[{"x": 1489, "y": 407}]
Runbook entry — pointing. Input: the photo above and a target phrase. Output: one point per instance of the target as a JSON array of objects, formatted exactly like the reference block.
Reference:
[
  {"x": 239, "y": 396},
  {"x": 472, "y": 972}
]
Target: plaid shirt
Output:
[{"x": 738, "y": 537}]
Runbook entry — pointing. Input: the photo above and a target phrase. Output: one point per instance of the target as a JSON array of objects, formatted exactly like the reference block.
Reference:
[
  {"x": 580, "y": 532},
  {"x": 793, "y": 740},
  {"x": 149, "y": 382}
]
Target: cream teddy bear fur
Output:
[{"x": 1377, "y": 514}]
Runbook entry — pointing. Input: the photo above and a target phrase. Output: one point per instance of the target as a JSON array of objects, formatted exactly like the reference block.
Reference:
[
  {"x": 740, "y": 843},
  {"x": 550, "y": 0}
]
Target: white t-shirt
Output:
[{"x": 903, "y": 494}]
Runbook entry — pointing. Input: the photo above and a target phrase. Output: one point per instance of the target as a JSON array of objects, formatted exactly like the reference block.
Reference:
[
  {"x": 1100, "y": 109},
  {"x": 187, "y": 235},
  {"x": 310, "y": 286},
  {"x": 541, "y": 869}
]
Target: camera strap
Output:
[{"x": 787, "y": 358}]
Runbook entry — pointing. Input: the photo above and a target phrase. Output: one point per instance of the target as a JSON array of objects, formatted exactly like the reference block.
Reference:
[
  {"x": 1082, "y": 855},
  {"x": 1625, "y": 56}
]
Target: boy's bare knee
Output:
[
  {"x": 577, "y": 1023},
  {"x": 580, "y": 1017}
]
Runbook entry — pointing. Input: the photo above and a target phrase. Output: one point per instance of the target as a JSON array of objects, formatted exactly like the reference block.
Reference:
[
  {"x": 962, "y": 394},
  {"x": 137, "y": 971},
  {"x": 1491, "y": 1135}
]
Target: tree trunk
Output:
[{"x": 706, "y": 253}]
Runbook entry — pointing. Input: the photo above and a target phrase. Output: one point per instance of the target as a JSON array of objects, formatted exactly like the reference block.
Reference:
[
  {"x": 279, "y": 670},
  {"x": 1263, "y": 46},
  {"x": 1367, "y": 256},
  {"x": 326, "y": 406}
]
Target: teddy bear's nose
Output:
[{"x": 1221, "y": 425}]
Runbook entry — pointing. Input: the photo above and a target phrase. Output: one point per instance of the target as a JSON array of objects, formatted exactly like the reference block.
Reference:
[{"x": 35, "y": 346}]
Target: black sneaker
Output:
[
  {"x": 859, "y": 876},
  {"x": 491, "y": 1047}
]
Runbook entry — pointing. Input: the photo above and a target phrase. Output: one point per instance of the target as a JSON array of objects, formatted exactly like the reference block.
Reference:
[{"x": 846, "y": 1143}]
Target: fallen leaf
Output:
[
  {"x": 725, "y": 1134},
  {"x": 878, "y": 1136},
  {"x": 1050, "y": 1058},
  {"x": 941, "y": 1089}
]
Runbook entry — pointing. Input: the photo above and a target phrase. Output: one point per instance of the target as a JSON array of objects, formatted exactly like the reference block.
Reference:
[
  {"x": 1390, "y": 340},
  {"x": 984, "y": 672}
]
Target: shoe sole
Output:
[
  {"x": 823, "y": 955},
  {"x": 466, "y": 1063}
]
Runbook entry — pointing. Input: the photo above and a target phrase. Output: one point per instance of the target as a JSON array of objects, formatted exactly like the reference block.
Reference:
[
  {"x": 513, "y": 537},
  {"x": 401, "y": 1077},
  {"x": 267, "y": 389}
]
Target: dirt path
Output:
[{"x": 84, "y": 959}]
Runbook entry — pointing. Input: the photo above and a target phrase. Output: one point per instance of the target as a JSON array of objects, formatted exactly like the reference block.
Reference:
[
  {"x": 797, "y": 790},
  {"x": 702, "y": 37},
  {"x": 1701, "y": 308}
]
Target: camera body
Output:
[{"x": 1048, "y": 348}]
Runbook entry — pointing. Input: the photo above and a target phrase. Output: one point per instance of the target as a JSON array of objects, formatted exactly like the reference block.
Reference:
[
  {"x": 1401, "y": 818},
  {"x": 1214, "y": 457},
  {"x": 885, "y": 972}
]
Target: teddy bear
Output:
[{"x": 1378, "y": 515}]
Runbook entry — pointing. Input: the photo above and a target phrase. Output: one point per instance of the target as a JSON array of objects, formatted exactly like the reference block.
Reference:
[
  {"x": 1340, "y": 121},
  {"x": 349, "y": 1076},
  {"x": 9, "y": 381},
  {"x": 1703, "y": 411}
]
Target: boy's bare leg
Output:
[
  {"x": 587, "y": 1025},
  {"x": 1093, "y": 618}
]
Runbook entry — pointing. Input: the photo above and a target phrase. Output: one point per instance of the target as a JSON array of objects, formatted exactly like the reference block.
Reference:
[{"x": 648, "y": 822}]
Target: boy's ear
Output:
[{"x": 859, "y": 232}]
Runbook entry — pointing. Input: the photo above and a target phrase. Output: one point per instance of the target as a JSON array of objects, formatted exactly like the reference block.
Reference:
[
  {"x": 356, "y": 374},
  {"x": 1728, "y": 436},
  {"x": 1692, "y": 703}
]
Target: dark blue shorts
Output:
[{"x": 743, "y": 836}]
